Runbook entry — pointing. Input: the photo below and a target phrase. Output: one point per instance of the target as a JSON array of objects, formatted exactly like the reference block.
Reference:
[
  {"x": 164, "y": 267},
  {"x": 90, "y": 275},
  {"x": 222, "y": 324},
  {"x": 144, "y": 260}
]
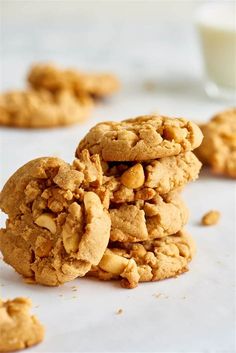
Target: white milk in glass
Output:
[{"x": 217, "y": 28}]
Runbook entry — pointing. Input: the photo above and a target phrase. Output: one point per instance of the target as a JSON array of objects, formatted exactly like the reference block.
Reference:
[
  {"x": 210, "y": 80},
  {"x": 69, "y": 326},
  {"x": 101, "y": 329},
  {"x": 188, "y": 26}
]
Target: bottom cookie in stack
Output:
[{"x": 146, "y": 261}]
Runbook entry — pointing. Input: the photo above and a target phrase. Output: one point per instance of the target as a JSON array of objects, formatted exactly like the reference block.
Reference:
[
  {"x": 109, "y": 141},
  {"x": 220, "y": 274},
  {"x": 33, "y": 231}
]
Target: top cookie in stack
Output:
[
  {"x": 144, "y": 138},
  {"x": 146, "y": 161}
]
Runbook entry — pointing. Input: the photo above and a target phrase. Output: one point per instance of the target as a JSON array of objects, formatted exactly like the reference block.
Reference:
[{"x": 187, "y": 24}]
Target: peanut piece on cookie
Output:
[{"x": 134, "y": 177}]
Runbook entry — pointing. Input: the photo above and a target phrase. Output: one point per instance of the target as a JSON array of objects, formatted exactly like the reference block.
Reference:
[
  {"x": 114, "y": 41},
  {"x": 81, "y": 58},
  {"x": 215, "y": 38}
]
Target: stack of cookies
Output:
[
  {"x": 146, "y": 161},
  {"x": 115, "y": 213}
]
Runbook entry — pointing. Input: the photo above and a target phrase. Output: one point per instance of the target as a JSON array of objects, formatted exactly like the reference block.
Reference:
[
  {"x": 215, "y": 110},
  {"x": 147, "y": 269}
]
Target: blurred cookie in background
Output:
[
  {"x": 218, "y": 149},
  {"x": 54, "y": 79}
]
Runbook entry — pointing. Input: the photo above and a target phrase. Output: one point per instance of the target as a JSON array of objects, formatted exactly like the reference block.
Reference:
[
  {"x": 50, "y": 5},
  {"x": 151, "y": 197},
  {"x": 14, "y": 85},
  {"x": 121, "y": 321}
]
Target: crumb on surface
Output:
[
  {"x": 119, "y": 311},
  {"x": 160, "y": 295},
  {"x": 210, "y": 218}
]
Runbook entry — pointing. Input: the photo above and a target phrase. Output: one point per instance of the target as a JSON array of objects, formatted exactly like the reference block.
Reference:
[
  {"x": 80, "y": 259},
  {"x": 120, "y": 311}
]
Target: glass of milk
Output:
[{"x": 216, "y": 22}]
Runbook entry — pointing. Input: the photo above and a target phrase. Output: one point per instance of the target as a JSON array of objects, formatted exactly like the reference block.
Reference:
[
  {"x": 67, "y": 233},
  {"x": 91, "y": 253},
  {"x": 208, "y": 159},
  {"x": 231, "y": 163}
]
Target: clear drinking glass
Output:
[{"x": 216, "y": 24}]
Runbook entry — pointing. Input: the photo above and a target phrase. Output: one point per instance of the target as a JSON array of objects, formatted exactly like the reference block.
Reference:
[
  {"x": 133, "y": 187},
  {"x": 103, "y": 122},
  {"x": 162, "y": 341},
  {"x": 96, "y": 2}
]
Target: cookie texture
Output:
[
  {"x": 140, "y": 139},
  {"x": 156, "y": 218},
  {"x": 146, "y": 261},
  {"x": 56, "y": 229},
  {"x": 218, "y": 149},
  {"x": 42, "y": 109},
  {"x": 124, "y": 182},
  {"x": 54, "y": 79},
  {"x": 18, "y": 329}
]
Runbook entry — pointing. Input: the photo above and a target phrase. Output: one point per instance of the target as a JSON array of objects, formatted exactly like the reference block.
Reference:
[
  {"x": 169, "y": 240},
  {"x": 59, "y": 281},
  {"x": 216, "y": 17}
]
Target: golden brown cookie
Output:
[
  {"x": 130, "y": 181},
  {"x": 42, "y": 109},
  {"x": 18, "y": 329},
  {"x": 144, "y": 138},
  {"x": 54, "y": 79},
  {"x": 218, "y": 149},
  {"x": 140, "y": 221},
  {"x": 56, "y": 229},
  {"x": 146, "y": 261}
]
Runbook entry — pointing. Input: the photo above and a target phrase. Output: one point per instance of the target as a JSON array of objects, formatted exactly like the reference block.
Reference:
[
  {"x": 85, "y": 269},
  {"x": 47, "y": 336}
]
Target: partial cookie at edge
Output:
[
  {"x": 218, "y": 149},
  {"x": 18, "y": 329}
]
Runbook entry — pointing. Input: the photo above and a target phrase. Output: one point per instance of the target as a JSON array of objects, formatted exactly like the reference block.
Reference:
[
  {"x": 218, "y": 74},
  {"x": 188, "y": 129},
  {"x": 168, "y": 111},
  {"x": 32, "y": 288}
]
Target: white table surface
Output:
[{"x": 141, "y": 43}]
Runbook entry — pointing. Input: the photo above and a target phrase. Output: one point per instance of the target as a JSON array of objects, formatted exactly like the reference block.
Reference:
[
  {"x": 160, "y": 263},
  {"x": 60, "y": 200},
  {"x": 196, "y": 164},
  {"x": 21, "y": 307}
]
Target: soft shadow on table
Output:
[
  {"x": 187, "y": 86},
  {"x": 8, "y": 275},
  {"x": 93, "y": 280}
]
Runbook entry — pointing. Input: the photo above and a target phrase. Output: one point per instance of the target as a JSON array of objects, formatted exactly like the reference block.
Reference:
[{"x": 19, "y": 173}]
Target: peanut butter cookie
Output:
[
  {"x": 54, "y": 79},
  {"x": 144, "y": 138},
  {"x": 42, "y": 109},
  {"x": 56, "y": 229},
  {"x": 146, "y": 261},
  {"x": 156, "y": 218},
  {"x": 218, "y": 149},
  {"x": 130, "y": 181},
  {"x": 18, "y": 329}
]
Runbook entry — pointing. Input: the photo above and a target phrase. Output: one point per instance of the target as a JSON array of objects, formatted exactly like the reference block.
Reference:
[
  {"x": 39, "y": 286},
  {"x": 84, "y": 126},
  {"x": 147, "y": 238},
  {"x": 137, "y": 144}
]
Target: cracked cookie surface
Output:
[
  {"x": 143, "y": 138},
  {"x": 218, "y": 149},
  {"x": 146, "y": 261},
  {"x": 54, "y": 79},
  {"x": 18, "y": 329},
  {"x": 156, "y": 218},
  {"x": 124, "y": 182},
  {"x": 56, "y": 229},
  {"x": 41, "y": 109}
]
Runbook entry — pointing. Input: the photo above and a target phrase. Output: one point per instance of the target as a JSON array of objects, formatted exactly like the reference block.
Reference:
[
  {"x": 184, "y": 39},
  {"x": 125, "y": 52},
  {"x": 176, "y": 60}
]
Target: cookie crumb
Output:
[
  {"x": 149, "y": 86},
  {"x": 210, "y": 218},
  {"x": 119, "y": 311},
  {"x": 160, "y": 295}
]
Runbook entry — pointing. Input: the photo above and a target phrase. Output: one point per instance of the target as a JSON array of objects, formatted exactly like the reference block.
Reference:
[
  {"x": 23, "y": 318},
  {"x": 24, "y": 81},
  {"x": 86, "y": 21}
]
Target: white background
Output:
[{"x": 146, "y": 42}]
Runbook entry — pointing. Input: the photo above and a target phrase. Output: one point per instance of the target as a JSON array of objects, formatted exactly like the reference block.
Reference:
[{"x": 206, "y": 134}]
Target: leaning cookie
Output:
[
  {"x": 54, "y": 79},
  {"x": 130, "y": 181},
  {"x": 42, "y": 109},
  {"x": 56, "y": 230},
  {"x": 146, "y": 261},
  {"x": 140, "y": 221},
  {"x": 18, "y": 329},
  {"x": 144, "y": 138},
  {"x": 218, "y": 149}
]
